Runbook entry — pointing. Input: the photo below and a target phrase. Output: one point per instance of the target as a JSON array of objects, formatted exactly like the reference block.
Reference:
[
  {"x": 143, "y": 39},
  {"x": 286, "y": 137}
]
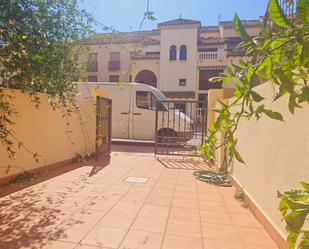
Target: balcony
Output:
[
  {"x": 113, "y": 65},
  {"x": 235, "y": 53},
  {"x": 149, "y": 56},
  {"x": 210, "y": 56},
  {"x": 92, "y": 66}
]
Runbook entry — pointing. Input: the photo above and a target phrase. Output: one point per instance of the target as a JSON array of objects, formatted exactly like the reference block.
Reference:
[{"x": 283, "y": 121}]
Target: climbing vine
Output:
[
  {"x": 294, "y": 207},
  {"x": 37, "y": 38},
  {"x": 280, "y": 54}
]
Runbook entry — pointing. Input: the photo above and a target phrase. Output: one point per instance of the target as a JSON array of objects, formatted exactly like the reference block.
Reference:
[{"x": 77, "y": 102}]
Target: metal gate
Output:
[
  {"x": 180, "y": 127},
  {"x": 103, "y": 128}
]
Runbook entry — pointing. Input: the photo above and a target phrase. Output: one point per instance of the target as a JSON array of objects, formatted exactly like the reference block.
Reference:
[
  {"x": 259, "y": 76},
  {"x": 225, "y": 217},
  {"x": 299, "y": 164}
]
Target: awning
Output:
[{"x": 205, "y": 68}]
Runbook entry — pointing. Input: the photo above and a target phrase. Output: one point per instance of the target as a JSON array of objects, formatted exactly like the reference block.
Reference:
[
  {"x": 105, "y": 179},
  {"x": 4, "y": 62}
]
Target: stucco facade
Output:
[{"x": 200, "y": 52}]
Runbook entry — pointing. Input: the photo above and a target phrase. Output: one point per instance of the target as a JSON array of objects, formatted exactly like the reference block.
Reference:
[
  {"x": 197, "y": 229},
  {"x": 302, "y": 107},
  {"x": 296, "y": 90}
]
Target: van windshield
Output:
[{"x": 161, "y": 97}]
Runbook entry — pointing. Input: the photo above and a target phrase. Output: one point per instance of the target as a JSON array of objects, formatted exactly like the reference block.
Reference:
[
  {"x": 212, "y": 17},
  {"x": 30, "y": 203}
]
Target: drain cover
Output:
[{"x": 132, "y": 179}]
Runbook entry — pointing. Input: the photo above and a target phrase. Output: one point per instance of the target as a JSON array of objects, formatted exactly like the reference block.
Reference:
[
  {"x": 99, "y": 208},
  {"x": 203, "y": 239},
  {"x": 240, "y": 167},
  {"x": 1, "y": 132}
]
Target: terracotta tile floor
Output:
[{"x": 171, "y": 211}]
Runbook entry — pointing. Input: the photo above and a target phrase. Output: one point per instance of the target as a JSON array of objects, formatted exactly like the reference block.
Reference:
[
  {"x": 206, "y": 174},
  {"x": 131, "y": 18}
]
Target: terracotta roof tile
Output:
[
  {"x": 210, "y": 29},
  {"x": 179, "y": 21},
  {"x": 124, "y": 37},
  {"x": 246, "y": 23}
]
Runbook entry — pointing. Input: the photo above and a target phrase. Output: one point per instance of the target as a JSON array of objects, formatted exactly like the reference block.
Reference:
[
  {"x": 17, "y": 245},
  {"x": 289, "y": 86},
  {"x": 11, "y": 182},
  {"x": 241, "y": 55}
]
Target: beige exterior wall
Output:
[
  {"x": 276, "y": 154},
  {"x": 103, "y": 52},
  {"x": 152, "y": 65},
  {"x": 172, "y": 71},
  {"x": 230, "y": 32},
  {"x": 206, "y": 34},
  {"x": 43, "y": 131}
]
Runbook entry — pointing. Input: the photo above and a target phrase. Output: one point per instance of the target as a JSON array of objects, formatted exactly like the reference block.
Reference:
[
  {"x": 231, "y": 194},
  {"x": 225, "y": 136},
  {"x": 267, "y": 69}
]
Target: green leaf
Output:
[
  {"x": 302, "y": 10},
  {"x": 276, "y": 14},
  {"x": 292, "y": 237},
  {"x": 304, "y": 244},
  {"x": 239, "y": 28},
  {"x": 238, "y": 157},
  {"x": 7, "y": 170},
  {"x": 216, "y": 79},
  {"x": 292, "y": 103},
  {"x": 296, "y": 219},
  {"x": 304, "y": 55},
  {"x": 305, "y": 185},
  {"x": 282, "y": 91},
  {"x": 304, "y": 96},
  {"x": 273, "y": 115},
  {"x": 256, "y": 97},
  {"x": 296, "y": 205},
  {"x": 286, "y": 82}
]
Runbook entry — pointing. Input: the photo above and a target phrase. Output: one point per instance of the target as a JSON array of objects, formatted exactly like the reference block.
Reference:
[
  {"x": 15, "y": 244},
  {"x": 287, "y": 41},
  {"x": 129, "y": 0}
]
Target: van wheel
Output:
[{"x": 168, "y": 136}]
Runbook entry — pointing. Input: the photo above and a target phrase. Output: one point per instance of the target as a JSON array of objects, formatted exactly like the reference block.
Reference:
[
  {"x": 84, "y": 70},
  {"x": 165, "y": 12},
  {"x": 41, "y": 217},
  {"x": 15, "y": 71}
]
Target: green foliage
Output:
[
  {"x": 37, "y": 40},
  {"x": 280, "y": 54},
  {"x": 276, "y": 14},
  {"x": 239, "y": 28},
  {"x": 22, "y": 177},
  {"x": 302, "y": 10},
  {"x": 294, "y": 207},
  {"x": 80, "y": 158}
]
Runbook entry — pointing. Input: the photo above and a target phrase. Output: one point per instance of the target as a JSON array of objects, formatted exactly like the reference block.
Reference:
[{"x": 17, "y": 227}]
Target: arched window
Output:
[
  {"x": 173, "y": 53},
  {"x": 183, "y": 53}
]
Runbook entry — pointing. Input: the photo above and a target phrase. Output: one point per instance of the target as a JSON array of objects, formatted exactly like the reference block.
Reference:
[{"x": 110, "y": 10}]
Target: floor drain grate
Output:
[{"x": 132, "y": 179}]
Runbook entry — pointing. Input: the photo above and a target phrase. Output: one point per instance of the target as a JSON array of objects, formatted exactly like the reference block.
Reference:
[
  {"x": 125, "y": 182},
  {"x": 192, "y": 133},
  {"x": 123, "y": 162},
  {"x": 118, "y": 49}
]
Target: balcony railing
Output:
[
  {"x": 92, "y": 66},
  {"x": 235, "y": 52},
  {"x": 114, "y": 65},
  {"x": 137, "y": 56},
  {"x": 210, "y": 56}
]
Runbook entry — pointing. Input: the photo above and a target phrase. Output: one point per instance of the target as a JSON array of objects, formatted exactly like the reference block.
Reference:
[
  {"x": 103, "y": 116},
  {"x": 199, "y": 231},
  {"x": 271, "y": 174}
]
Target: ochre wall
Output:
[
  {"x": 276, "y": 155},
  {"x": 43, "y": 131}
]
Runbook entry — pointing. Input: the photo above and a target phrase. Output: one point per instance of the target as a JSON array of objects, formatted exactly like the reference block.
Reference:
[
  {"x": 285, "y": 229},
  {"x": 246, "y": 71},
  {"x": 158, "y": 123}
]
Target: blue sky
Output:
[{"x": 126, "y": 15}]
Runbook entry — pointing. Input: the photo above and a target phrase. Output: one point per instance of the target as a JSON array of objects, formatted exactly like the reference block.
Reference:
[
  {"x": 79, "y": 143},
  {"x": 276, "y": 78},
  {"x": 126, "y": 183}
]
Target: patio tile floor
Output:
[{"x": 171, "y": 211}]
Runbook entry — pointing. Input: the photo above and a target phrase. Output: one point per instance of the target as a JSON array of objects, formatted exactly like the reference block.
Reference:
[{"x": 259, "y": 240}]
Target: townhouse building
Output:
[{"x": 178, "y": 58}]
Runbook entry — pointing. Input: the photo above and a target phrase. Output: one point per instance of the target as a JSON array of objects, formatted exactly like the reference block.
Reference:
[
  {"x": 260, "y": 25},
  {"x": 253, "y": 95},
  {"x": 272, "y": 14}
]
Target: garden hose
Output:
[{"x": 219, "y": 179}]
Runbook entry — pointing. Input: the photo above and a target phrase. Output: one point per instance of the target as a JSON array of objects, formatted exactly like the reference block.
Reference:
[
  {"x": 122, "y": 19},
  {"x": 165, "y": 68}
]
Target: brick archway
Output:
[{"x": 146, "y": 77}]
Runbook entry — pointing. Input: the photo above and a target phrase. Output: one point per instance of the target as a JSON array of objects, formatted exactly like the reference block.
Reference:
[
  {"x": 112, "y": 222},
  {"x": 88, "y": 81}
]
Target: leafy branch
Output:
[
  {"x": 294, "y": 207},
  {"x": 278, "y": 55}
]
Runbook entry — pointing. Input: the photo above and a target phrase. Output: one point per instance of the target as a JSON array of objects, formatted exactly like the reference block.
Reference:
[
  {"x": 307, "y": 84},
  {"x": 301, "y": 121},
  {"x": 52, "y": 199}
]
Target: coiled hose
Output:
[{"x": 219, "y": 179}]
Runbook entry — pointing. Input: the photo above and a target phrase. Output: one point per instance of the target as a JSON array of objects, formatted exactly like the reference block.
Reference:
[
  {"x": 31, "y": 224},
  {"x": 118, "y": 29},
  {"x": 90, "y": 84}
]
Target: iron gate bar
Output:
[
  {"x": 170, "y": 140},
  {"x": 103, "y": 127}
]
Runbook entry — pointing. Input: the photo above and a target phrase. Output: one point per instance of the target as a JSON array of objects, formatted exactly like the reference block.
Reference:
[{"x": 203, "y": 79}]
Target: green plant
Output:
[
  {"x": 22, "y": 177},
  {"x": 37, "y": 40},
  {"x": 239, "y": 194},
  {"x": 294, "y": 207},
  {"x": 279, "y": 55},
  {"x": 82, "y": 157}
]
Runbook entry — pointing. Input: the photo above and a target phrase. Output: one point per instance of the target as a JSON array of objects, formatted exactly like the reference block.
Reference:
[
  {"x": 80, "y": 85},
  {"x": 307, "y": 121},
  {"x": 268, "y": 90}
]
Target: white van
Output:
[{"x": 134, "y": 111}]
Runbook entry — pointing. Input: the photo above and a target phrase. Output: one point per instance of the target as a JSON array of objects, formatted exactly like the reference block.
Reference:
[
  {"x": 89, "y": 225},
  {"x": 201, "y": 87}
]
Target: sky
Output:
[{"x": 126, "y": 15}]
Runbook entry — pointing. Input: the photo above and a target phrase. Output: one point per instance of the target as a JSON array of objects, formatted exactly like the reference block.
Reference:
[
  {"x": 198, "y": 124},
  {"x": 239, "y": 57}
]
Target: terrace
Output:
[{"x": 171, "y": 210}]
